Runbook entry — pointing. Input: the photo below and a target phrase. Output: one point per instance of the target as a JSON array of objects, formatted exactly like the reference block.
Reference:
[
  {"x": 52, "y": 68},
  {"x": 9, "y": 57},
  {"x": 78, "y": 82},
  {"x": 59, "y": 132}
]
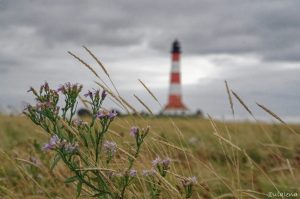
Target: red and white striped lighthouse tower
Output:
[{"x": 175, "y": 105}]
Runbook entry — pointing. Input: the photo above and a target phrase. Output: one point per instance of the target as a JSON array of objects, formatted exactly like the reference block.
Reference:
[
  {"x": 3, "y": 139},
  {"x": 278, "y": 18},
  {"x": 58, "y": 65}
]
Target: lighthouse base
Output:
[{"x": 176, "y": 111}]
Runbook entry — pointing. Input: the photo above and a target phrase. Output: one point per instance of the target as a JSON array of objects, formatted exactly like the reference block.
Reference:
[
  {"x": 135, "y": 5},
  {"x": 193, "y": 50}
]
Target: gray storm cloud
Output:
[{"x": 253, "y": 44}]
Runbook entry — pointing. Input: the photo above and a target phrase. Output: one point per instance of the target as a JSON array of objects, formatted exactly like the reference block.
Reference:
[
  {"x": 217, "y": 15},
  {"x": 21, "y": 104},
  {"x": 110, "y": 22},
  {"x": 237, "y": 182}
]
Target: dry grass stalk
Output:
[
  {"x": 112, "y": 95},
  {"x": 276, "y": 117},
  {"x": 84, "y": 63},
  {"x": 229, "y": 97},
  {"x": 149, "y": 91},
  {"x": 103, "y": 68},
  {"x": 84, "y": 102},
  {"x": 217, "y": 134},
  {"x": 169, "y": 145},
  {"x": 129, "y": 106},
  {"x": 291, "y": 170},
  {"x": 242, "y": 103},
  {"x": 121, "y": 100},
  {"x": 97, "y": 60},
  {"x": 271, "y": 113},
  {"x": 89, "y": 67},
  {"x": 148, "y": 109}
]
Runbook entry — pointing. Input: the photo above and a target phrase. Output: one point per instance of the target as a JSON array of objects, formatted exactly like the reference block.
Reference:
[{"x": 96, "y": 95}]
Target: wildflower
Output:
[
  {"x": 71, "y": 148},
  {"x": 88, "y": 94},
  {"x": 146, "y": 130},
  {"x": 69, "y": 88},
  {"x": 53, "y": 143},
  {"x": 101, "y": 114},
  {"x": 96, "y": 93},
  {"x": 134, "y": 131},
  {"x": 79, "y": 122},
  {"x": 112, "y": 114},
  {"x": 61, "y": 89},
  {"x": 110, "y": 147},
  {"x": 132, "y": 173},
  {"x": 189, "y": 181},
  {"x": 156, "y": 161},
  {"x": 105, "y": 114},
  {"x": 43, "y": 105},
  {"x": 147, "y": 173},
  {"x": 166, "y": 163},
  {"x": 161, "y": 165},
  {"x": 76, "y": 87},
  {"x": 188, "y": 185},
  {"x": 103, "y": 94},
  {"x": 46, "y": 86}
]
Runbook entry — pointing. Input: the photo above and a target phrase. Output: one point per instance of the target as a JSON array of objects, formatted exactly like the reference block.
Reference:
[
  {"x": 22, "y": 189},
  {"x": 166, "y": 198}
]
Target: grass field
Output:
[
  {"x": 199, "y": 157},
  {"x": 230, "y": 160}
]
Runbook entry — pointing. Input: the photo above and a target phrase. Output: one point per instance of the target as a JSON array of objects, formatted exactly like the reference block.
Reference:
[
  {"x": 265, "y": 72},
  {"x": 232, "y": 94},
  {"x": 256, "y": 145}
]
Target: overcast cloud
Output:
[{"x": 254, "y": 45}]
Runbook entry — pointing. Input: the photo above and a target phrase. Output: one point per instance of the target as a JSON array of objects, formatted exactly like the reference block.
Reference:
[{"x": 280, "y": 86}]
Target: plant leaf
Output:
[
  {"x": 71, "y": 179},
  {"x": 79, "y": 186},
  {"x": 55, "y": 161}
]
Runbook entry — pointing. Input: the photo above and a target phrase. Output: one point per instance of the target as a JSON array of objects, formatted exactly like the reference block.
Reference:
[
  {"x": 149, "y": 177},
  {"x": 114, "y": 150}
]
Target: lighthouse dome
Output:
[{"x": 176, "y": 47}]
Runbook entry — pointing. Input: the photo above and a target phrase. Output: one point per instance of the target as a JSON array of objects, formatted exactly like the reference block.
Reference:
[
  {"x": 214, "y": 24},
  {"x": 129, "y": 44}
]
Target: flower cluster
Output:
[
  {"x": 161, "y": 165},
  {"x": 66, "y": 132},
  {"x": 107, "y": 115},
  {"x": 53, "y": 143},
  {"x": 110, "y": 150},
  {"x": 70, "y": 89},
  {"x": 189, "y": 181},
  {"x": 110, "y": 147},
  {"x": 96, "y": 94},
  {"x": 153, "y": 184},
  {"x": 46, "y": 106},
  {"x": 139, "y": 135},
  {"x": 134, "y": 131},
  {"x": 188, "y": 184},
  {"x": 79, "y": 123},
  {"x": 57, "y": 143},
  {"x": 132, "y": 173},
  {"x": 96, "y": 100}
]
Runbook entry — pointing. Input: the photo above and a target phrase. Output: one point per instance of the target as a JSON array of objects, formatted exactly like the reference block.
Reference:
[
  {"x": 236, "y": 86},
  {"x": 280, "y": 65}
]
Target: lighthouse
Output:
[{"x": 175, "y": 105}]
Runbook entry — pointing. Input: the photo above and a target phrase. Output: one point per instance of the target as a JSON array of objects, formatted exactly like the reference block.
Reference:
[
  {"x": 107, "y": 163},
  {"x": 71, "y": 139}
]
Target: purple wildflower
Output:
[
  {"x": 31, "y": 89},
  {"x": 102, "y": 114},
  {"x": 54, "y": 139},
  {"x": 134, "y": 131},
  {"x": 132, "y": 173},
  {"x": 61, "y": 89},
  {"x": 103, "y": 95},
  {"x": 88, "y": 94},
  {"x": 105, "y": 114},
  {"x": 112, "y": 114},
  {"x": 79, "y": 122},
  {"x": 110, "y": 147},
  {"x": 71, "y": 148},
  {"x": 156, "y": 161},
  {"x": 53, "y": 143},
  {"x": 46, "y": 86},
  {"x": 189, "y": 181},
  {"x": 166, "y": 163}
]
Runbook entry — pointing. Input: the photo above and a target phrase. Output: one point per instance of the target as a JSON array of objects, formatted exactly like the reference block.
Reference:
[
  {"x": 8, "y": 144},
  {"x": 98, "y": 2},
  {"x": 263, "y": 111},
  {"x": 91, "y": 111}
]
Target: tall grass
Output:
[{"x": 229, "y": 159}]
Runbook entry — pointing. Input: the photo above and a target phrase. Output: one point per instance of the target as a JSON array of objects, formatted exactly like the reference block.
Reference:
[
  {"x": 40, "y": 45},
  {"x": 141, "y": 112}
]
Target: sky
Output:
[{"x": 254, "y": 45}]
